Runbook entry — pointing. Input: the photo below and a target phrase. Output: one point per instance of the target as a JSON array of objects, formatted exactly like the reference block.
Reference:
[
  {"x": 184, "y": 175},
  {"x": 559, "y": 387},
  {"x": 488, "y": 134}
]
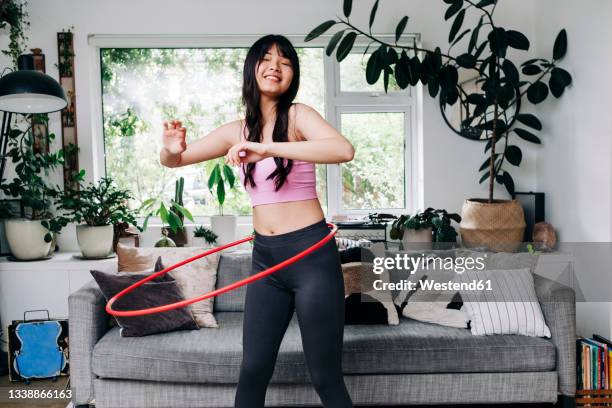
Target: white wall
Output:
[{"x": 575, "y": 167}]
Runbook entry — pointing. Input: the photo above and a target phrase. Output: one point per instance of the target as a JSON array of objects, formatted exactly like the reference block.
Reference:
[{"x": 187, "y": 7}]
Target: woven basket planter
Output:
[{"x": 499, "y": 225}]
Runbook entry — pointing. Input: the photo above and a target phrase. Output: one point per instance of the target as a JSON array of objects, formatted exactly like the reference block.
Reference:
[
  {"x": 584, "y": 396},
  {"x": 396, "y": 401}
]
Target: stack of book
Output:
[{"x": 594, "y": 363}]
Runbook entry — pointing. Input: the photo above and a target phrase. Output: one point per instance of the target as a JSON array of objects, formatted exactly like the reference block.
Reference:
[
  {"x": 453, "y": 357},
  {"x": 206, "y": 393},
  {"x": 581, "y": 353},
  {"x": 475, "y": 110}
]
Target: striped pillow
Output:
[{"x": 506, "y": 305}]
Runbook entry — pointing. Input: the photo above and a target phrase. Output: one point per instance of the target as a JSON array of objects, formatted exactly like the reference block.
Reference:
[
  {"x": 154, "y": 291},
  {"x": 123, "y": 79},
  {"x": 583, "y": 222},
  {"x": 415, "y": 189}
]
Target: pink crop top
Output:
[{"x": 300, "y": 183}]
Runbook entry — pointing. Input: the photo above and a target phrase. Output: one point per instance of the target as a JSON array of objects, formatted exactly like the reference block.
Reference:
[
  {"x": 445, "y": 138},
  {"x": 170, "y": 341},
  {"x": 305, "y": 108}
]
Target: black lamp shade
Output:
[{"x": 31, "y": 91}]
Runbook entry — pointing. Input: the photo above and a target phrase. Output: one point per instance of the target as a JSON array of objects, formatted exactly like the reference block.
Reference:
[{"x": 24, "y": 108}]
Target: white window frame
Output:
[{"x": 336, "y": 103}]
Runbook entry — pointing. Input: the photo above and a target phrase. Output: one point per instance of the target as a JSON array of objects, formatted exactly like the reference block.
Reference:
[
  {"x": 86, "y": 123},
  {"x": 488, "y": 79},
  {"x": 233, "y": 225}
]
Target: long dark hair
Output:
[{"x": 251, "y": 99}]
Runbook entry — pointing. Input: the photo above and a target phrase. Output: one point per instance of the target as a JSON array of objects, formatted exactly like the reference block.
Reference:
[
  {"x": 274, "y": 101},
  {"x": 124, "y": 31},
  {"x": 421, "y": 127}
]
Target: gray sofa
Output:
[{"x": 413, "y": 363}]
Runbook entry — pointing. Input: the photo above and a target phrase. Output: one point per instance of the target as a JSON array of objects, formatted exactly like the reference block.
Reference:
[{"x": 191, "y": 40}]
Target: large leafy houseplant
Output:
[
  {"x": 485, "y": 52},
  {"x": 31, "y": 181}
]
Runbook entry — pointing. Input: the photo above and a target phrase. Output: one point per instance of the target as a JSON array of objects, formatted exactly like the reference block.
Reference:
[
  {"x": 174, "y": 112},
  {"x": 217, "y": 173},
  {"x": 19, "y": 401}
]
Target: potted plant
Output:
[
  {"x": 180, "y": 235},
  {"x": 97, "y": 208},
  {"x": 424, "y": 228},
  {"x": 204, "y": 237},
  {"x": 32, "y": 237},
  {"x": 224, "y": 225},
  {"x": 493, "y": 104},
  {"x": 167, "y": 213}
]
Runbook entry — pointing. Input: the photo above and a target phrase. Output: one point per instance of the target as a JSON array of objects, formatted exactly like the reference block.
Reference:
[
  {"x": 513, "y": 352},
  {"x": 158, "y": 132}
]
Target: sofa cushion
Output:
[
  {"x": 233, "y": 266},
  {"x": 214, "y": 355}
]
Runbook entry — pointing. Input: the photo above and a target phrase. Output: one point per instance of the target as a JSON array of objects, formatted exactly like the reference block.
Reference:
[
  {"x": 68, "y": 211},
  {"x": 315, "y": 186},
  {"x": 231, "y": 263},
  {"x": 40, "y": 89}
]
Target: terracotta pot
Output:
[
  {"x": 499, "y": 225},
  {"x": 179, "y": 237}
]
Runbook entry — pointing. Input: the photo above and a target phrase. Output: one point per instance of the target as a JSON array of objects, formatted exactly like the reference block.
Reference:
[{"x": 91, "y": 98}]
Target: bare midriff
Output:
[{"x": 279, "y": 218}]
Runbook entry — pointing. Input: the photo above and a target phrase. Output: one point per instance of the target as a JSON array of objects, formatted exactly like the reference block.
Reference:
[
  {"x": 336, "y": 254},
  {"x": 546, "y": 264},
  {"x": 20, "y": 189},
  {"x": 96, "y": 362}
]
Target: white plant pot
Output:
[
  {"x": 225, "y": 228},
  {"x": 418, "y": 239},
  {"x": 26, "y": 239},
  {"x": 95, "y": 242}
]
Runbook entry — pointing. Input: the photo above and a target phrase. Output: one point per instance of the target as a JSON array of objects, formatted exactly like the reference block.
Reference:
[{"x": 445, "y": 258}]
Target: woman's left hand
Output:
[{"x": 253, "y": 152}]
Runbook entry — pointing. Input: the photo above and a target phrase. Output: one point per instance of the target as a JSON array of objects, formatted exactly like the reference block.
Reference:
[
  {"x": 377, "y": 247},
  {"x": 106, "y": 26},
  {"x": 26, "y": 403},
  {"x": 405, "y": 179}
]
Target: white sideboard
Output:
[{"x": 42, "y": 285}]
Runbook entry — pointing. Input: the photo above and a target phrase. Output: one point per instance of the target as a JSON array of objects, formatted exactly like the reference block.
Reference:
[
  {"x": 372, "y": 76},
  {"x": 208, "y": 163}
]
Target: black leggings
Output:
[{"x": 314, "y": 287}]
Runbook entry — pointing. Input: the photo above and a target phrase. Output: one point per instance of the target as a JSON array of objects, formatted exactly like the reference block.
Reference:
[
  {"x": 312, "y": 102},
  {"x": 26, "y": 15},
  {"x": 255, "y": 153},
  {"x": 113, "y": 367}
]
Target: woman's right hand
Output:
[{"x": 174, "y": 137}]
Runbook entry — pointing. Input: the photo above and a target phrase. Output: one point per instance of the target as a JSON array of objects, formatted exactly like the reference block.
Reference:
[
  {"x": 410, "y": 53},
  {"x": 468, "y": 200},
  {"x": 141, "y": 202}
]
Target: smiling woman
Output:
[{"x": 277, "y": 149}]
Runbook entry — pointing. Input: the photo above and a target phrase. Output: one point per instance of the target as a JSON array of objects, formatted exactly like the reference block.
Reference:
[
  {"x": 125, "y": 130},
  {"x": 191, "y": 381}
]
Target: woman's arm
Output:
[
  {"x": 323, "y": 144},
  {"x": 176, "y": 153}
]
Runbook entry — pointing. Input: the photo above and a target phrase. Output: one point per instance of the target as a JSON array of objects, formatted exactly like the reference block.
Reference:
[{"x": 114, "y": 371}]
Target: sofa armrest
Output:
[
  {"x": 558, "y": 304},
  {"x": 87, "y": 323}
]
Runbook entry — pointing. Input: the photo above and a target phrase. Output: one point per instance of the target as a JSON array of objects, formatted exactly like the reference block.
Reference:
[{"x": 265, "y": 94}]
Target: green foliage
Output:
[
  {"x": 170, "y": 213},
  {"x": 102, "y": 203},
  {"x": 124, "y": 124},
  {"x": 208, "y": 235},
  {"x": 220, "y": 175},
  {"x": 487, "y": 55},
  {"x": 30, "y": 184},
  {"x": 14, "y": 15},
  {"x": 438, "y": 220}
]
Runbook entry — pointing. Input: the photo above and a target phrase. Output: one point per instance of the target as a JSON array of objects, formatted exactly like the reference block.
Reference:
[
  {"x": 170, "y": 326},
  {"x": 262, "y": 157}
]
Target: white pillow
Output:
[{"x": 506, "y": 305}]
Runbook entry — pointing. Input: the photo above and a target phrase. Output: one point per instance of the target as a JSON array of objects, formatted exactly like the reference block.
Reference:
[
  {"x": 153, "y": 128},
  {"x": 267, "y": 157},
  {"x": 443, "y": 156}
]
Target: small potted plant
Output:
[
  {"x": 167, "y": 213},
  {"x": 96, "y": 208},
  {"x": 424, "y": 228},
  {"x": 224, "y": 225},
  {"x": 180, "y": 235},
  {"x": 204, "y": 237}
]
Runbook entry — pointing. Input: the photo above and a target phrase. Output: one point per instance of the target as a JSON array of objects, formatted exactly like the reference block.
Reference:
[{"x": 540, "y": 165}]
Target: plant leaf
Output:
[
  {"x": 456, "y": 25},
  {"x": 453, "y": 9},
  {"x": 517, "y": 40},
  {"x": 373, "y": 69},
  {"x": 531, "y": 70},
  {"x": 526, "y": 135},
  {"x": 229, "y": 175},
  {"x": 399, "y": 30},
  {"x": 373, "y": 13},
  {"x": 346, "y": 7},
  {"x": 537, "y": 92},
  {"x": 320, "y": 29},
  {"x": 514, "y": 155},
  {"x": 560, "y": 47},
  {"x": 529, "y": 120},
  {"x": 466, "y": 61},
  {"x": 333, "y": 42},
  {"x": 345, "y": 46}
]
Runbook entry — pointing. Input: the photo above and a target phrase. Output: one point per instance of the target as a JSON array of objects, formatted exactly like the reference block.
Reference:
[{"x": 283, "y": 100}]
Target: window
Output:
[
  {"x": 142, "y": 87},
  {"x": 383, "y": 174},
  {"x": 146, "y": 82}
]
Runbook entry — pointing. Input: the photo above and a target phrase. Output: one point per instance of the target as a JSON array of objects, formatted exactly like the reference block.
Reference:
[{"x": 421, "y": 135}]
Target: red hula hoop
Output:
[{"x": 242, "y": 282}]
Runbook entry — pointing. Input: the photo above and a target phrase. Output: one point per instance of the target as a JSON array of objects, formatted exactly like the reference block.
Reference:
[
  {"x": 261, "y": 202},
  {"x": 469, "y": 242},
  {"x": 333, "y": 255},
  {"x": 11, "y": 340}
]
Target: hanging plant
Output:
[{"x": 14, "y": 15}]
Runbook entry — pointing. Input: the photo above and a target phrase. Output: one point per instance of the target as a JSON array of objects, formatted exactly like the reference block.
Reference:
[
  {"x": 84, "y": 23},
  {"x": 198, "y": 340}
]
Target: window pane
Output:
[
  {"x": 353, "y": 79},
  {"x": 374, "y": 179},
  {"x": 202, "y": 87}
]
